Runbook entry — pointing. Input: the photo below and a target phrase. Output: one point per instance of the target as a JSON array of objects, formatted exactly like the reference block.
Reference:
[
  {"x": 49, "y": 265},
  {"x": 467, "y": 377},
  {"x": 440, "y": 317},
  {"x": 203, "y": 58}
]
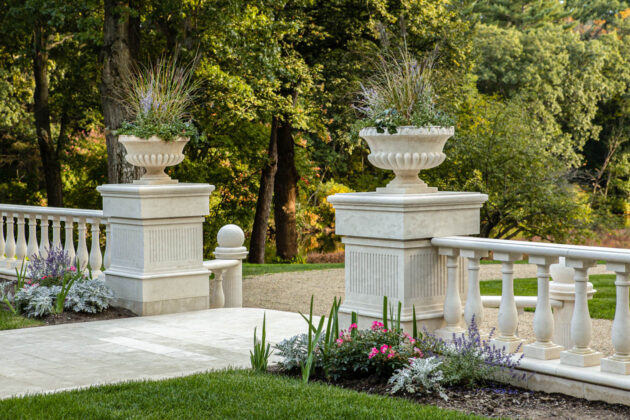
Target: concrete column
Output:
[
  {"x": 156, "y": 245},
  {"x": 388, "y": 248}
]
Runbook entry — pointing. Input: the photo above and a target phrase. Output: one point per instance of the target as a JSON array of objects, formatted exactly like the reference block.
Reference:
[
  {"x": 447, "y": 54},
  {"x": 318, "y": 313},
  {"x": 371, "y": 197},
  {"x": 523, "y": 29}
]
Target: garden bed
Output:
[
  {"x": 492, "y": 400},
  {"x": 68, "y": 317}
]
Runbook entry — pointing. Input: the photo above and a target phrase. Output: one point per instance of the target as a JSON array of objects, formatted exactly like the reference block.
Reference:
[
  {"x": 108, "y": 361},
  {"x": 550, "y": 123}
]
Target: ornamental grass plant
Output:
[
  {"x": 157, "y": 99},
  {"x": 400, "y": 93}
]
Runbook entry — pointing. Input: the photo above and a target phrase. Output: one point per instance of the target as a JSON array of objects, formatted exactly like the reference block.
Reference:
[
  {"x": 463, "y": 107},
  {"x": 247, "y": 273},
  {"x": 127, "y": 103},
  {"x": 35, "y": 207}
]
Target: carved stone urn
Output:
[
  {"x": 154, "y": 154},
  {"x": 407, "y": 152}
]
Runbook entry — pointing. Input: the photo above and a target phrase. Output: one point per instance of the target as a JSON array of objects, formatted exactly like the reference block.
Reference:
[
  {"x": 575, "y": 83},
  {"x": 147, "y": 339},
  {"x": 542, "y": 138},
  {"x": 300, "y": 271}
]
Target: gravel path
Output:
[{"x": 292, "y": 292}]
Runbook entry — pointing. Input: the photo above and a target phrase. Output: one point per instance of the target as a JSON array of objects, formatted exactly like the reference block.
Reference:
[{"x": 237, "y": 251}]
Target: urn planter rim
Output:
[
  {"x": 409, "y": 130},
  {"x": 130, "y": 138}
]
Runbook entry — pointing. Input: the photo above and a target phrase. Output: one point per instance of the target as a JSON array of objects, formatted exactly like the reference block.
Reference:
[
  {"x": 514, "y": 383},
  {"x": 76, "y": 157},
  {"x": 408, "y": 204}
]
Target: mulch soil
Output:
[
  {"x": 69, "y": 317},
  {"x": 494, "y": 400}
]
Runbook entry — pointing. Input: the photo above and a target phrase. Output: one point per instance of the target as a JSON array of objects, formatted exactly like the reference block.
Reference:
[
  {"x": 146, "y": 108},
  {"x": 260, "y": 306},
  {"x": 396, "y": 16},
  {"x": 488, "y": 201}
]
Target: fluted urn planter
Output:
[
  {"x": 155, "y": 155},
  {"x": 407, "y": 152}
]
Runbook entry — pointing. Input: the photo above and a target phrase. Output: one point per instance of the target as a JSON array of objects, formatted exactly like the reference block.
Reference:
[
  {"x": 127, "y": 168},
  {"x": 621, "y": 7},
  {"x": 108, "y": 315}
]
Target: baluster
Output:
[
  {"x": 474, "y": 305},
  {"x": 31, "y": 250},
  {"x": 620, "y": 362},
  {"x": 508, "y": 314},
  {"x": 96, "y": 259},
  {"x": 44, "y": 245},
  {"x": 10, "y": 243},
  {"x": 20, "y": 247},
  {"x": 56, "y": 225},
  {"x": 82, "y": 252},
  {"x": 543, "y": 348},
  {"x": 68, "y": 246},
  {"x": 217, "y": 298},
  {"x": 581, "y": 325},
  {"x": 107, "y": 258},
  {"x": 452, "y": 302},
  {"x": 2, "y": 243}
]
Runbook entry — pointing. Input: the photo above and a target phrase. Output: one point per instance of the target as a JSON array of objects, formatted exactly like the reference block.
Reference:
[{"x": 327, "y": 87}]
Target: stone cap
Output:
[
  {"x": 408, "y": 202},
  {"x": 136, "y": 201},
  {"x": 407, "y": 216}
]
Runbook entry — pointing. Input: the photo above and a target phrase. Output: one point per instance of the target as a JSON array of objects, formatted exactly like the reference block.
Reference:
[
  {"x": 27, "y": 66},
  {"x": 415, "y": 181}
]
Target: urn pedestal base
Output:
[
  {"x": 156, "y": 244},
  {"x": 388, "y": 251}
]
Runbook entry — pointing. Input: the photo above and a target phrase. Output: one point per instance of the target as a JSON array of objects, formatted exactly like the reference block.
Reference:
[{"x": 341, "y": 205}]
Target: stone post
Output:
[
  {"x": 388, "y": 248},
  {"x": 231, "y": 239},
  {"x": 156, "y": 243}
]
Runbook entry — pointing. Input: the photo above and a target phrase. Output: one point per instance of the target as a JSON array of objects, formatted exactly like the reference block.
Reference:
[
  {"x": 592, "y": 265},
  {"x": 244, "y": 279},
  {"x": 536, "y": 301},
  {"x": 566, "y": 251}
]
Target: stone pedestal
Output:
[
  {"x": 156, "y": 244},
  {"x": 389, "y": 253}
]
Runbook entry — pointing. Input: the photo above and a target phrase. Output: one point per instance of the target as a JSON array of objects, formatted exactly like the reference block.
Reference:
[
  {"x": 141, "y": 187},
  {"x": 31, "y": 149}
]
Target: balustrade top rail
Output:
[
  {"x": 13, "y": 209},
  {"x": 578, "y": 252}
]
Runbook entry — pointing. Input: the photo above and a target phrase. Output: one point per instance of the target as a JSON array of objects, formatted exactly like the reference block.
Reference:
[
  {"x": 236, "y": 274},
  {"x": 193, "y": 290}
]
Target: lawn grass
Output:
[
  {"x": 10, "y": 321},
  {"x": 260, "y": 269},
  {"x": 234, "y": 394},
  {"x": 601, "y": 306}
]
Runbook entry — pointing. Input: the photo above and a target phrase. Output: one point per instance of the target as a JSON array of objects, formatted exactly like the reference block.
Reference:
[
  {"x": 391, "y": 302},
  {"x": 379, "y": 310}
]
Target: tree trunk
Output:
[
  {"x": 285, "y": 195},
  {"x": 265, "y": 194},
  {"x": 47, "y": 150},
  {"x": 120, "y": 46}
]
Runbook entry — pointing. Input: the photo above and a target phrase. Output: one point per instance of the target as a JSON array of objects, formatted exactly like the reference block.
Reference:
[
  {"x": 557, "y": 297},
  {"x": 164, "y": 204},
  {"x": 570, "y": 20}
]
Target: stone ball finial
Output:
[{"x": 230, "y": 236}]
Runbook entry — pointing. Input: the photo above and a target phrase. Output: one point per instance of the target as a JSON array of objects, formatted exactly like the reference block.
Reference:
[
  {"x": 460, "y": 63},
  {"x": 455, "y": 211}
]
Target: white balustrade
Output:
[
  {"x": 10, "y": 246},
  {"x": 474, "y": 304},
  {"x": 44, "y": 245},
  {"x": 581, "y": 324},
  {"x": 452, "y": 301},
  {"x": 32, "y": 247},
  {"x": 620, "y": 362},
  {"x": 508, "y": 313},
  {"x": 580, "y": 259},
  {"x": 543, "y": 348},
  {"x": 68, "y": 247},
  {"x": 96, "y": 258},
  {"x": 15, "y": 246}
]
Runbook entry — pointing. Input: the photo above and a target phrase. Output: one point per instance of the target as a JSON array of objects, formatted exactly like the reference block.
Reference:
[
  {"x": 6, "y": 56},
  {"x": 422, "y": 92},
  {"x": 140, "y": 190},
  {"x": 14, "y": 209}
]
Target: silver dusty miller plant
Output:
[
  {"x": 420, "y": 375},
  {"x": 90, "y": 295}
]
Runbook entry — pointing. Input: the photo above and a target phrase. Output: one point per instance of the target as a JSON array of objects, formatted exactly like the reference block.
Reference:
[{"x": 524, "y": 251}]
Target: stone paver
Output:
[{"x": 53, "y": 358}]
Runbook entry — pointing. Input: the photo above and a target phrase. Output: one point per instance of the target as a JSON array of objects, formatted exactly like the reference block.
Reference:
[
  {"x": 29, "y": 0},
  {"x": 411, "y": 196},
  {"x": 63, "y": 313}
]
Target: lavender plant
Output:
[
  {"x": 469, "y": 360},
  {"x": 51, "y": 269},
  {"x": 157, "y": 98},
  {"x": 400, "y": 93}
]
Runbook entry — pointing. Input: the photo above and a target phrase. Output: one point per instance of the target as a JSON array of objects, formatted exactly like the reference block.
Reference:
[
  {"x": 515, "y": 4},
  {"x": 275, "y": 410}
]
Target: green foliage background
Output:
[{"x": 540, "y": 90}]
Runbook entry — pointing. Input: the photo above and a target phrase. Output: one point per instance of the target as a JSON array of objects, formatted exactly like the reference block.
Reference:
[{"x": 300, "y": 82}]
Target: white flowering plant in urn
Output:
[
  {"x": 157, "y": 99},
  {"x": 402, "y": 125}
]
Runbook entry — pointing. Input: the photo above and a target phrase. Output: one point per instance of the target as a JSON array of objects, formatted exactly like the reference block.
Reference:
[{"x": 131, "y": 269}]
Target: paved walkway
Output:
[{"x": 46, "y": 359}]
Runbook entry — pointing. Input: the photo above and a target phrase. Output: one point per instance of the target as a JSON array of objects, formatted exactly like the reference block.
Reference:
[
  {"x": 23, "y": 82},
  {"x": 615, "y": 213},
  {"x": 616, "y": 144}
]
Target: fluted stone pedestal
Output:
[
  {"x": 156, "y": 244},
  {"x": 389, "y": 252}
]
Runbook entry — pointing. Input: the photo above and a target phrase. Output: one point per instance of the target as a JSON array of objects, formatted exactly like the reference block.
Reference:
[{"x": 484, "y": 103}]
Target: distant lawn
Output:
[
  {"x": 260, "y": 269},
  {"x": 601, "y": 306},
  {"x": 220, "y": 395},
  {"x": 9, "y": 321}
]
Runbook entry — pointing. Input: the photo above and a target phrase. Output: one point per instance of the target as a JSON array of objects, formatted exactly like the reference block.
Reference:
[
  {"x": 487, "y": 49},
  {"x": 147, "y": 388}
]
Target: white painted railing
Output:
[
  {"x": 580, "y": 258},
  {"x": 26, "y": 231}
]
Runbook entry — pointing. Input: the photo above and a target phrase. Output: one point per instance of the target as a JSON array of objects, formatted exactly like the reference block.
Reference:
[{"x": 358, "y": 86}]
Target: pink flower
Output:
[
  {"x": 353, "y": 326},
  {"x": 418, "y": 352},
  {"x": 390, "y": 355},
  {"x": 412, "y": 340},
  {"x": 377, "y": 325},
  {"x": 73, "y": 269},
  {"x": 341, "y": 333},
  {"x": 339, "y": 341},
  {"x": 384, "y": 348},
  {"x": 373, "y": 353}
]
